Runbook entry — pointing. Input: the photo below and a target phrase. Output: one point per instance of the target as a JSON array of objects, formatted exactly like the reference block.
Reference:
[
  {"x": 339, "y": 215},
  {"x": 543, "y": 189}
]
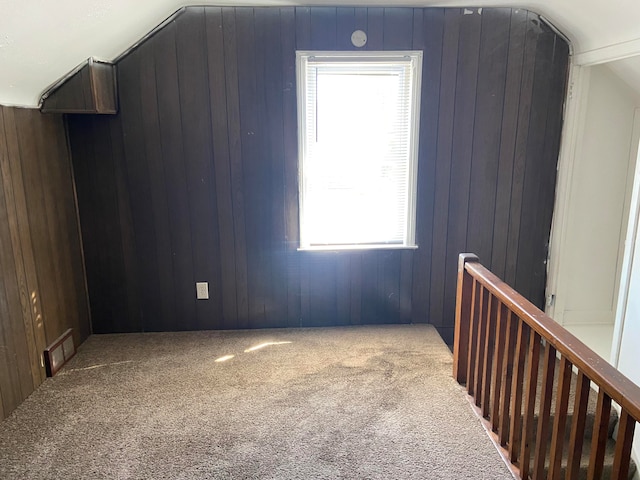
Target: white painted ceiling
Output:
[{"x": 42, "y": 40}]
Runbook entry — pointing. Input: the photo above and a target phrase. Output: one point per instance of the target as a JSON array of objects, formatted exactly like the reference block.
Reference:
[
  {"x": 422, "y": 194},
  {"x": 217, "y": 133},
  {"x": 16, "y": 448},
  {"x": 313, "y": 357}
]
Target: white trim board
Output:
[{"x": 610, "y": 53}]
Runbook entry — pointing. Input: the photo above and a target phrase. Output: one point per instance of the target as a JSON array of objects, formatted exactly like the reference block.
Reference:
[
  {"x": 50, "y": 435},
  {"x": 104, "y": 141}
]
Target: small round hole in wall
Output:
[{"x": 359, "y": 38}]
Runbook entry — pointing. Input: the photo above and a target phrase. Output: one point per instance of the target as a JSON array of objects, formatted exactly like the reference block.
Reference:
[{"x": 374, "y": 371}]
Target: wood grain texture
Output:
[
  {"x": 92, "y": 89},
  {"x": 203, "y": 155},
  {"x": 42, "y": 281},
  {"x": 531, "y": 380},
  {"x": 496, "y": 375},
  {"x": 600, "y": 435},
  {"x": 576, "y": 440},
  {"x": 517, "y": 387}
]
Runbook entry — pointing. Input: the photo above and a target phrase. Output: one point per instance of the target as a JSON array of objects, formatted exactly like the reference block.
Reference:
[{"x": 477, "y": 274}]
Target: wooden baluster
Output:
[
  {"x": 482, "y": 332},
  {"x": 492, "y": 306},
  {"x": 516, "y": 398},
  {"x": 600, "y": 434},
  {"x": 464, "y": 302},
  {"x": 511, "y": 329},
  {"x": 473, "y": 335},
  {"x": 548, "y": 372},
  {"x": 530, "y": 402},
  {"x": 578, "y": 426},
  {"x": 560, "y": 420},
  {"x": 624, "y": 442},
  {"x": 498, "y": 355}
]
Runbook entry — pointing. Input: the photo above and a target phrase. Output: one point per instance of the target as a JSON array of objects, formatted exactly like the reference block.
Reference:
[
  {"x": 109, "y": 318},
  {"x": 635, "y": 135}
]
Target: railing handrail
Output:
[{"x": 616, "y": 385}]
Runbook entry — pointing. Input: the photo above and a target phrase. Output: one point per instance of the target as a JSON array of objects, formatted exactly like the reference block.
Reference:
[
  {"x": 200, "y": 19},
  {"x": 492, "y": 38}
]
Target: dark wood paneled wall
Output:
[
  {"x": 196, "y": 178},
  {"x": 42, "y": 285}
]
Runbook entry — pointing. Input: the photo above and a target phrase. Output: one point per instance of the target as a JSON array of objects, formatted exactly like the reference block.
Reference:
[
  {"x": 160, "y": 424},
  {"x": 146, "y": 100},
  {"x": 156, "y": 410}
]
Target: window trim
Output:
[{"x": 415, "y": 57}]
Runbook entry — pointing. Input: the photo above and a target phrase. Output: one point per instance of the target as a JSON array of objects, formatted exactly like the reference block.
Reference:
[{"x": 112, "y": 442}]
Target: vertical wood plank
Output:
[
  {"x": 508, "y": 131},
  {"x": 397, "y": 25},
  {"x": 303, "y": 28},
  {"x": 375, "y": 28},
  {"x": 487, "y": 126},
  {"x": 466, "y": 81},
  {"x": 259, "y": 181},
  {"x": 10, "y": 390},
  {"x": 515, "y": 412},
  {"x": 137, "y": 174},
  {"x": 406, "y": 277},
  {"x": 531, "y": 379},
  {"x": 532, "y": 256},
  {"x": 542, "y": 436},
  {"x": 249, "y": 128},
  {"x": 474, "y": 320},
  {"x": 345, "y": 25},
  {"x": 442, "y": 175},
  {"x": 519, "y": 155},
  {"x": 198, "y": 152},
  {"x": 289, "y": 99},
  {"x": 624, "y": 443},
  {"x": 165, "y": 295},
  {"x": 464, "y": 320},
  {"x": 131, "y": 320},
  {"x": 511, "y": 328},
  {"x": 389, "y": 271},
  {"x": 343, "y": 289},
  {"x": 272, "y": 91},
  {"x": 323, "y": 28},
  {"x": 235, "y": 154},
  {"x": 10, "y": 395},
  {"x": 496, "y": 374},
  {"x": 576, "y": 440},
  {"x": 560, "y": 418},
  {"x": 355, "y": 271},
  {"x": 489, "y": 341},
  {"x": 222, "y": 162},
  {"x": 483, "y": 329},
  {"x": 600, "y": 435},
  {"x": 429, "y": 38}
]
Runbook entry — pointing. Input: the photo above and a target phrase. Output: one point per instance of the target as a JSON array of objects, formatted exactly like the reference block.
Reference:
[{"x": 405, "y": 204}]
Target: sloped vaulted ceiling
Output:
[{"x": 42, "y": 40}]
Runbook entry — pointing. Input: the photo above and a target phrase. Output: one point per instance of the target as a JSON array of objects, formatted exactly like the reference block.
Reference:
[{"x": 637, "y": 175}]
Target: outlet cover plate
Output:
[{"x": 202, "y": 290}]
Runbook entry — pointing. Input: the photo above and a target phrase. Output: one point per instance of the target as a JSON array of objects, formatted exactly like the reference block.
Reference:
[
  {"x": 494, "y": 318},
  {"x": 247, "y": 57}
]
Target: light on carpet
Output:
[
  {"x": 262, "y": 345},
  {"x": 224, "y": 358}
]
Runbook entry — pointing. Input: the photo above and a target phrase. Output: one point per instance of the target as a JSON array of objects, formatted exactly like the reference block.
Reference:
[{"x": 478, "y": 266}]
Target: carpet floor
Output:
[{"x": 373, "y": 402}]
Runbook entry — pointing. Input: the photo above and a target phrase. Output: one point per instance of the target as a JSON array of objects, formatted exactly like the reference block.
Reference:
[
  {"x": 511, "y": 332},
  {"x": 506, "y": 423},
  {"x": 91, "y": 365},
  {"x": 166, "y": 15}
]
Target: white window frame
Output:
[{"x": 414, "y": 58}]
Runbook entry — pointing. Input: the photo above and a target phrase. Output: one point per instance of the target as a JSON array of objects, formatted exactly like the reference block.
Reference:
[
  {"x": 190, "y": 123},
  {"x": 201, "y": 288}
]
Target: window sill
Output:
[{"x": 351, "y": 248}]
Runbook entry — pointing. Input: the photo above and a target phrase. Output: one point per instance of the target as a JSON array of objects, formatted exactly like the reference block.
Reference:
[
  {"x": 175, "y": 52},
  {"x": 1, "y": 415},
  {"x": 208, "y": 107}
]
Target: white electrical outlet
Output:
[{"x": 202, "y": 290}]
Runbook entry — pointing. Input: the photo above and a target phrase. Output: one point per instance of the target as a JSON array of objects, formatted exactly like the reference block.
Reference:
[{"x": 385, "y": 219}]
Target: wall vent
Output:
[{"x": 59, "y": 353}]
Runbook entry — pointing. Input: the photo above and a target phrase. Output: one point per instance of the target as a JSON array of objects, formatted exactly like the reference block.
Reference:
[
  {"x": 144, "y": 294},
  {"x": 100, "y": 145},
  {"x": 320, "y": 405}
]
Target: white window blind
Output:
[{"x": 358, "y": 137}]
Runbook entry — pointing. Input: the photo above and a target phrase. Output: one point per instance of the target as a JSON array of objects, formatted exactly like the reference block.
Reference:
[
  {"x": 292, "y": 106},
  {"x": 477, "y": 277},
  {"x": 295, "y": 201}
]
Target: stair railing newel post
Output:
[{"x": 463, "y": 318}]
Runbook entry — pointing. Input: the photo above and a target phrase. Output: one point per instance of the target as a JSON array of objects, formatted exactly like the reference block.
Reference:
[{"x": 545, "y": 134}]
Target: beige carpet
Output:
[{"x": 352, "y": 403}]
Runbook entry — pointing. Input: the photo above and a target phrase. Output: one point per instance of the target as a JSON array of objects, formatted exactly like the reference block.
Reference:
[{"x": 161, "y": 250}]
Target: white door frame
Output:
[{"x": 570, "y": 145}]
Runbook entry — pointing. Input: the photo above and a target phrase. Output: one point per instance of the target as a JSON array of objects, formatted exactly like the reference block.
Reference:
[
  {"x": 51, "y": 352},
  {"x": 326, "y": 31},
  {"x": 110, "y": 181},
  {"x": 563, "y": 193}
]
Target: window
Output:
[{"x": 358, "y": 116}]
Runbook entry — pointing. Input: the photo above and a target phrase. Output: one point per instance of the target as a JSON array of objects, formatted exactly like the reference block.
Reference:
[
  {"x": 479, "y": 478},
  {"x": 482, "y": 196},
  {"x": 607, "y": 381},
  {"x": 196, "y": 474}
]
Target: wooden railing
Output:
[{"x": 505, "y": 349}]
